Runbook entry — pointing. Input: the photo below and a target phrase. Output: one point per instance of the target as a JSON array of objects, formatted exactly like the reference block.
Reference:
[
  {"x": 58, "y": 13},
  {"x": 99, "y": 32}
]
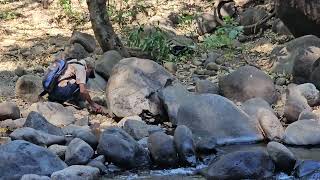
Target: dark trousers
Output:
[{"x": 66, "y": 93}]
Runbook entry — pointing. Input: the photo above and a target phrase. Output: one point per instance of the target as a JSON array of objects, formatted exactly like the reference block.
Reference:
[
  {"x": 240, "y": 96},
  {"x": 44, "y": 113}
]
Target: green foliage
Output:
[
  {"x": 8, "y": 15},
  {"x": 155, "y": 43},
  {"x": 224, "y": 36},
  {"x": 72, "y": 14},
  {"x": 66, "y": 6},
  {"x": 186, "y": 19}
]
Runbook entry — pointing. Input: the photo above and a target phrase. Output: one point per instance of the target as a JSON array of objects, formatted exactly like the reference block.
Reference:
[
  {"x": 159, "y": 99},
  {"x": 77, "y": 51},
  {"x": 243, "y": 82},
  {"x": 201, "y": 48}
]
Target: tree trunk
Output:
[
  {"x": 103, "y": 29},
  {"x": 302, "y": 17}
]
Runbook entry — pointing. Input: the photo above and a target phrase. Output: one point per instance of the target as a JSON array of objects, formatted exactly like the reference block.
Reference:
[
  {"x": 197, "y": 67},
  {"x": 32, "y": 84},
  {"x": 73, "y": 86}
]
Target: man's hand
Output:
[{"x": 85, "y": 94}]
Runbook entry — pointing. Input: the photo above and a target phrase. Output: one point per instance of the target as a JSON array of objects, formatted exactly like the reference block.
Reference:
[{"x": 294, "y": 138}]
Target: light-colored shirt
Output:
[{"x": 75, "y": 73}]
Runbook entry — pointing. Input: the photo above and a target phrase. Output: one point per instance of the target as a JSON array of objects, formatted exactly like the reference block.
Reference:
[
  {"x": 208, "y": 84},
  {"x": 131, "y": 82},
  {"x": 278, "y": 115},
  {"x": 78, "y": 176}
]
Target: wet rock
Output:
[
  {"x": 121, "y": 149},
  {"x": 206, "y": 86},
  {"x": 298, "y": 16},
  {"x": 59, "y": 150},
  {"x": 21, "y": 157},
  {"x": 55, "y": 113},
  {"x": 37, "y": 121},
  {"x": 306, "y": 114},
  {"x": 78, "y": 152},
  {"x": 280, "y": 28},
  {"x": 185, "y": 145},
  {"x": 297, "y": 57},
  {"x": 75, "y": 51},
  {"x": 86, "y": 40},
  {"x": 36, "y": 136},
  {"x": 34, "y": 177},
  {"x": 9, "y": 111},
  {"x": 260, "y": 110},
  {"x": 248, "y": 82},
  {"x": 282, "y": 156},
  {"x": 206, "y": 23},
  {"x": 295, "y": 103},
  {"x": 106, "y": 62},
  {"x": 139, "y": 129},
  {"x": 310, "y": 92},
  {"x": 162, "y": 149},
  {"x": 28, "y": 87},
  {"x": 76, "y": 172},
  {"x": 82, "y": 133},
  {"x": 171, "y": 67},
  {"x": 132, "y": 86},
  {"x": 252, "y": 16},
  {"x": 303, "y": 132},
  {"x": 252, "y": 164},
  {"x": 306, "y": 167},
  {"x": 171, "y": 97},
  {"x": 212, "y": 117}
]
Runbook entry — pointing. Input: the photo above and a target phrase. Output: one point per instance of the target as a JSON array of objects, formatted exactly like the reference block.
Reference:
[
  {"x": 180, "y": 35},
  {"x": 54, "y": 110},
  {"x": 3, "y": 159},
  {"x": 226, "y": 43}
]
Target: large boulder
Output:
[
  {"x": 86, "y": 40},
  {"x": 77, "y": 172},
  {"x": 303, "y": 132},
  {"x": 106, "y": 62},
  {"x": 132, "y": 86},
  {"x": 36, "y": 136},
  {"x": 20, "y": 157},
  {"x": 9, "y": 111},
  {"x": 255, "y": 164},
  {"x": 260, "y": 110},
  {"x": 75, "y": 51},
  {"x": 28, "y": 87},
  {"x": 121, "y": 149},
  {"x": 55, "y": 113},
  {"x": 298, "y": 58},
  {"x": 162, "y": 149},
  {"x": 185, "y": 146},
  {"x": 37, "y": 121},
  {"x": 171, "y": 97},
  {"x": 97, "y": 87},
  {"x": 248, "y": 82},
  {"x": 78, "y": 152},
  {"x": 214, "y": 118},
  {"x": 300, "y": 16}
]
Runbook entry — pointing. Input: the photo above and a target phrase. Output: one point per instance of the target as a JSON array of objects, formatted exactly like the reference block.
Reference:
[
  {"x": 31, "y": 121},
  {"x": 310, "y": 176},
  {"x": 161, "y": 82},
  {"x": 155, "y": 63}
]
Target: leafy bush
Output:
[
  {"x": 155, "y": 43},
  {"x": 7, "y": 15},
  {"x": 224, "y": 36}
]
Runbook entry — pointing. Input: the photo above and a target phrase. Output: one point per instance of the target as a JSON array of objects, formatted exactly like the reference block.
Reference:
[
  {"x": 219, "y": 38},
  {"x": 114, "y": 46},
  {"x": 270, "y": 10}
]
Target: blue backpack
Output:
[{"x": 51, "y": 77}]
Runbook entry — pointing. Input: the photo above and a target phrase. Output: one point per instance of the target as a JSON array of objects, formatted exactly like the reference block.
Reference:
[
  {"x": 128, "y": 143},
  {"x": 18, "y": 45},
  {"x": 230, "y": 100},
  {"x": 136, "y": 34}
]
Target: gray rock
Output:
[
  {"x": 78, "y": 152},
  {"x": 28, "y": 87},
  {"x": 125, "y": 119},
  {"x": 206, "y": 86},
  {"x": 98, "y": 164},
  {"x": 281, "y": 81},
  {"x": 214, "y": 118},
  {"x": 132, "y": 86},
  {"x": 162, "y": 149},
  {"x": 185, "y": 145},
  {"x": 37, "y": 121},
  {"x": 55, "y": 113},
  {"x": 36, "y": 136},
  {"x": 82, "y": 133},
  {"x": 11, "y": 125},
  {"x": 144, "y": 142},
  {"x": 77, "y": 172},
  {"x": 171, "y": 97},
  {"x": 20, "y": 71},
  {"x": 254, "y": 164},
  {"x": 171, "y": 67},
  {"x": 280, "y": 28},
  {"x": 281, "y": 156},
  {"x": 306, "y": 167},
  {"x": 295, "y": 103},
  {"x": 59, "y": 150},
  {"x": 106, "y": 62},
  {"x": 212, "y": 57},
  {"x": 310, "y": 92},
  {"x": 252, "y": 16},
  {"x": 97, "y": 87},
  {"x": 213, "y": 66},
  {"x": 21, "y": 157},
  {"x": 9, "y": 111},
  {"x": 248, "y": 82},
  {"x": 86, "y": 40},
  {"x": 206, "y": 23},
  {"x": 34, "y": 177},
  {"x": 121, "y": 149},
  {"x": 139, "y": 129},
  {"x": 75, "y": 51},
  {"x": 260, "y": 110},
  {"x": 306, "y": 114},
  {"x": 303, "y": 132}
]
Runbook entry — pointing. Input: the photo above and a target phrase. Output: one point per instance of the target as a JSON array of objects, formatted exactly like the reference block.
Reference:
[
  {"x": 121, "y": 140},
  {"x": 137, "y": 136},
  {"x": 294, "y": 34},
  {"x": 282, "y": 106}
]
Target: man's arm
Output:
[{"x": 85, "y": 94}]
